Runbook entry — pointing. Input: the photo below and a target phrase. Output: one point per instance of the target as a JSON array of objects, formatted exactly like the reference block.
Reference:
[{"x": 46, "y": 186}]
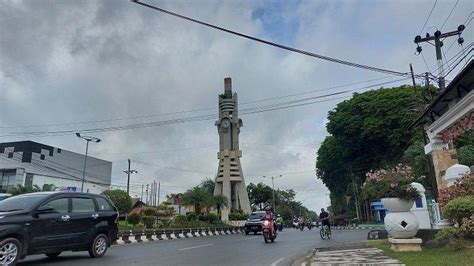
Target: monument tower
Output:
[{"x": 229, "y": 178}]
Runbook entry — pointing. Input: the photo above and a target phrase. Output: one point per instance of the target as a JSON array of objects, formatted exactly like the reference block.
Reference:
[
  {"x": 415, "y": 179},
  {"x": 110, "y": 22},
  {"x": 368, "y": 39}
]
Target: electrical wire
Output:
[
  {"x": 253, "y": 110},
  {"x": 323, "y": 57},
  {"x": 449, "y": 15},
  {"x": 429, "y": 15},
  {"x": 201, "y": 109}
]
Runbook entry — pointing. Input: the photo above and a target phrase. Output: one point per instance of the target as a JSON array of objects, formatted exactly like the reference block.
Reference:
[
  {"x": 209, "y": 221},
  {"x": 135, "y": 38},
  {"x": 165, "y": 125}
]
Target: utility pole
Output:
[
  {"x": 158, "y": 193},
  {"x": 273, "y": 192},
  {"x": 146, "y": 194},
  {"x": 420, "y": 107},
  {"x": 141, "y": 198},
  {"x": 128, "y": 172},
  {"x": 438, "y": 38}
]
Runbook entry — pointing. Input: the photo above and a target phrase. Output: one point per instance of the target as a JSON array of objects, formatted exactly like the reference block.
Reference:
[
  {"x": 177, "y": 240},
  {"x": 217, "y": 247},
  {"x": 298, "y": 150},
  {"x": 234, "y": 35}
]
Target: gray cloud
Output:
[{"x": 69, "y": 61}]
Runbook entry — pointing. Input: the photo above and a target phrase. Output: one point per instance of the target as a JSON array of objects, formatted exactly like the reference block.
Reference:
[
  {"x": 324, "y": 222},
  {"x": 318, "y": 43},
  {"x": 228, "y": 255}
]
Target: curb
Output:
[
  {"x": 358, "y": 228},
  {"x": 143, "y": 236}
]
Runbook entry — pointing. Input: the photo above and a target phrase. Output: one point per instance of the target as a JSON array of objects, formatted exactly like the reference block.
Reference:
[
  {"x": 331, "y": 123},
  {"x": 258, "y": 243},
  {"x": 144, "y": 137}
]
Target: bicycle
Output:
[{"x": 325, "y": 233}]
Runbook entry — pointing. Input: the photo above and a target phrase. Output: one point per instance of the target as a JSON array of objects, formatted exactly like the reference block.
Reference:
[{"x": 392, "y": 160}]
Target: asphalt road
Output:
[{"x": 212, "y": 250}]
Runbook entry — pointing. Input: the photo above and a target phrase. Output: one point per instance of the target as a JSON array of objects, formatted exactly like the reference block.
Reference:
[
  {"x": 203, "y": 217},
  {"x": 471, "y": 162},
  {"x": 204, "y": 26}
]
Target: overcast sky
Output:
[{"x": 73, "y": 61}]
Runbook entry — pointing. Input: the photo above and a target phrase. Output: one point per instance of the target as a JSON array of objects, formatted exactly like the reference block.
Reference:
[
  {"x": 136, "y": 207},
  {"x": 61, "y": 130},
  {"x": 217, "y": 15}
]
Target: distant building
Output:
[{"x": 31, "y": 163}]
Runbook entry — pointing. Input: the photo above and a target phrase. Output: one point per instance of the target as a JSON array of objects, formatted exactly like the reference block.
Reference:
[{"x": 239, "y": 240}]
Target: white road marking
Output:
[
  {"x": 201, "y": 246},
  {"x": 276, "y": 262},
  {"x": 253, "y": 237}
]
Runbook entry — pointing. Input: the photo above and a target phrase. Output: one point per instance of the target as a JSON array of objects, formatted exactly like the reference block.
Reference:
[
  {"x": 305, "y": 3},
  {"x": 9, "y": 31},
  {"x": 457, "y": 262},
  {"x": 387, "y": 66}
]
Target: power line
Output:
[
  {"x": 446, "y": 20},
  {"x": 323, "y": 57},
  {"x": 277, "y": 106},
  {"x": 429, "y": 15},
  {"x": 200, "y": 109}
]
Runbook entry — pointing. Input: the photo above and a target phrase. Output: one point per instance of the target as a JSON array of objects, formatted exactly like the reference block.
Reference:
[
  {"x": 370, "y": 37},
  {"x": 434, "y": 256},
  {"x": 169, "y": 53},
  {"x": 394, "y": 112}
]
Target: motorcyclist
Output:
[
  {"x": 269, "y": 216},
  {"x": 324, "y": 217},
  {"x": 279, "y": 220}
]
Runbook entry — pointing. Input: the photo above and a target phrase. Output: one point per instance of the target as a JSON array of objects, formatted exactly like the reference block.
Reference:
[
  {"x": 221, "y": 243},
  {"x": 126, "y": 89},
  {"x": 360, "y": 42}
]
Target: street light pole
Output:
[
  {"x": 87, "y": 139},
  {"x": 273, "y": 191}
]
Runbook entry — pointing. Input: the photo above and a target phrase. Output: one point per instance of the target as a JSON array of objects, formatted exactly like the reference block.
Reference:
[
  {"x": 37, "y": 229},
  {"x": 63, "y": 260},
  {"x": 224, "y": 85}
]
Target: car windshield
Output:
[
  {"x": 257, "y": 215},
  {"x": 22, "y": 202}
]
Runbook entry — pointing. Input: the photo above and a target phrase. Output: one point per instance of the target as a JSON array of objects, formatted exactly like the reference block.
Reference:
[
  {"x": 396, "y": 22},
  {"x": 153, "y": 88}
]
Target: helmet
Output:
[
  {"x": 278, "y": 215},
  {"x": 267, "y": 209}
]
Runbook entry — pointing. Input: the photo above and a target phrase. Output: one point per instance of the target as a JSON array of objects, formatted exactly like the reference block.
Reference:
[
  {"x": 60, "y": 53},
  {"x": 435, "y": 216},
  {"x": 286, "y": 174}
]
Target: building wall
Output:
[{"x": 38, "y": 164}]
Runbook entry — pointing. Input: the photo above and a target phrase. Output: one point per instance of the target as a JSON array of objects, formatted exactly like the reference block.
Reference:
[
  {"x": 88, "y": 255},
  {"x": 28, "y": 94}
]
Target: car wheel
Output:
[
  {"x": 98, "y": 246},
  {"x": 52, "y": 255},
  {"x": 254, "y": 232},
  {"x": 247, "y": 232},
  {"x": 10, "y": 251}
]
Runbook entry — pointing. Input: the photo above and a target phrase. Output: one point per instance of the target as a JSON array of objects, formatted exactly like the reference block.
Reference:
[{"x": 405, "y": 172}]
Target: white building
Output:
[{"x": 30, "y": 163}]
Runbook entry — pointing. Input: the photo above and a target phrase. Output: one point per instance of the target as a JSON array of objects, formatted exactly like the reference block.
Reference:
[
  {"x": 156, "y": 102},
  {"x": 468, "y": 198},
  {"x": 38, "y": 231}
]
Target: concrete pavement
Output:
[{"x": 214, "y": 250}]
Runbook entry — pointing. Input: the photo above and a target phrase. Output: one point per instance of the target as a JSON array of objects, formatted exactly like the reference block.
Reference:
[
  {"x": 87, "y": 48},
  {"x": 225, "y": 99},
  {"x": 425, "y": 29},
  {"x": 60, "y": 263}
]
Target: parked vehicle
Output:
[
  {"x": 4, "y": 196},
  {"x": 53, "y": 222},
  {"x": 269, "y": 232},
  {"x": 255, "y": 222}
]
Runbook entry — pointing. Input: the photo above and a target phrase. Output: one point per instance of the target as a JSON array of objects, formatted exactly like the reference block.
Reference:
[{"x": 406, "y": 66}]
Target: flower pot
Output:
[
  {"x": 397, "y": 205},
  {"x": 400, "y": 222}
]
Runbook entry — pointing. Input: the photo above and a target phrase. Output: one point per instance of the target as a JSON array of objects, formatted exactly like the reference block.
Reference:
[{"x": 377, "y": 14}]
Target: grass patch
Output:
[{"x": 430, "y": 256}]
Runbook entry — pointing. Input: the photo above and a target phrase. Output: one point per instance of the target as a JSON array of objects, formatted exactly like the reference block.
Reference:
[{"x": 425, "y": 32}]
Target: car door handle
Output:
[
  {"x": 95, "y": 215},
  {"x": 65, "y": 218}
]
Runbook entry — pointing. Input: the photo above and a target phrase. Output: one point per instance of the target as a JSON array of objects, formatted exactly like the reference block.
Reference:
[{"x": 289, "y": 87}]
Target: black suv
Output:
[
  {"x": 255, "y": 222},
  {"x": 52, "y": 222}
]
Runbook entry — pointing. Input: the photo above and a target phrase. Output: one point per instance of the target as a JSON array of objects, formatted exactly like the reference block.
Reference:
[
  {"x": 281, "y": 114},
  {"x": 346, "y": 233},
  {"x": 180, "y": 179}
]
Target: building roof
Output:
[{"x": 459, "y": 87}]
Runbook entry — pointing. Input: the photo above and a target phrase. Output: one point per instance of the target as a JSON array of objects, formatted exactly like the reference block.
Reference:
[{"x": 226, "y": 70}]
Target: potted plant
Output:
[{"x": 393, "y": 187}]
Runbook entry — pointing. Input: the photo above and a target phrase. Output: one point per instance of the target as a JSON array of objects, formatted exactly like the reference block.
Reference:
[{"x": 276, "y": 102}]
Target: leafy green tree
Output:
[
  {"x": 369, "y": 131},
  {"x": 260, "y": 195},
  {"x": 208, "y": 185},
  {"x": 49, "y": 187},
  {"x": 121, "y": 200},
  {"x": 198, "y": 197}
]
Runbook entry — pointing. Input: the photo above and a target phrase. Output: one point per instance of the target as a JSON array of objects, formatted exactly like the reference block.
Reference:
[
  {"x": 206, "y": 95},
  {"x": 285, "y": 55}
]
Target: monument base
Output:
[
  {"x": 401, "y": 245},
  {"x": 443, "y": 224}
]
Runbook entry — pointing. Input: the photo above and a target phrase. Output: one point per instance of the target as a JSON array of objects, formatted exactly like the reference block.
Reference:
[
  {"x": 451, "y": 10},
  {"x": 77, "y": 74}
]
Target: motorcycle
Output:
[
  {"x": 280, "y": 226},
  {"x": 301, "y": 225},
  {"x": 269, "y": 233}
]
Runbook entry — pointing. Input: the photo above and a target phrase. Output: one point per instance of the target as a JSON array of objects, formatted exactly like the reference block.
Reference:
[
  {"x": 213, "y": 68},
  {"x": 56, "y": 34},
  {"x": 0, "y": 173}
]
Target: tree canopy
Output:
[{"x": 368, "y": 131}]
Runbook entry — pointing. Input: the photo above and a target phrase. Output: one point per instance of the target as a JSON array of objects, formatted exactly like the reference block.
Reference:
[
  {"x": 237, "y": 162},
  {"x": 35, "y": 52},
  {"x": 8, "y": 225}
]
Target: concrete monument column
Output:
[{"x": 230, "y": 180}]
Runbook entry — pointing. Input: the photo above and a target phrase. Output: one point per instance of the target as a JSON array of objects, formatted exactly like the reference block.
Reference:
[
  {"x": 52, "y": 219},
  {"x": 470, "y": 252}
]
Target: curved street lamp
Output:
[{"x": 87, "y": 139}]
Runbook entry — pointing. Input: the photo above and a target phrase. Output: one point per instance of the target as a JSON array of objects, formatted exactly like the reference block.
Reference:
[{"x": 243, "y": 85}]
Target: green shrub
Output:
[
  {"x": 149, "y": 221},
  {"x": 180, "y": 219},
  {"x": 238, "y": 215},
  {"x": 203, "y": 218},
  {"x": 134, "y": 218},
  {"x": 212, "y": 218},
  {"x": 121, "y": 200},
  {"x": 459, "y": 208},
  {"x": 150, "y": 211},
  {"x": 192, "y": 217}
]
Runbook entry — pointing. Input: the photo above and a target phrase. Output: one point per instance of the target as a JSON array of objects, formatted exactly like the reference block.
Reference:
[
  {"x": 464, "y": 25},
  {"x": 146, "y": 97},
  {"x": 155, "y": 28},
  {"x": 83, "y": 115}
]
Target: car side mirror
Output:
[{"x": 44, "y": 209}]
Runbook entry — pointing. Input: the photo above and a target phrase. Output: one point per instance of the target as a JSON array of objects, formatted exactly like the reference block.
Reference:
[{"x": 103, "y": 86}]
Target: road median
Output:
[{"x": 153, "y": 235}]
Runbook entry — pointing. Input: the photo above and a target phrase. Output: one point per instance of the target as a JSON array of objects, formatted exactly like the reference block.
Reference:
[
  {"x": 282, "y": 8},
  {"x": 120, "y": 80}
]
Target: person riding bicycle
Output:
[{"x": 324, "y": 217}]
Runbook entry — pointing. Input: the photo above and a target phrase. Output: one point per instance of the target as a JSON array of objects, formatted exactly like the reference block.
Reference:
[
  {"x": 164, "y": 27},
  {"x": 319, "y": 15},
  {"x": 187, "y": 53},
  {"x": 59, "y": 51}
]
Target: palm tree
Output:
[
  {"x": 198, "y": 197},
  {"x": 219, "y": 201}
]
